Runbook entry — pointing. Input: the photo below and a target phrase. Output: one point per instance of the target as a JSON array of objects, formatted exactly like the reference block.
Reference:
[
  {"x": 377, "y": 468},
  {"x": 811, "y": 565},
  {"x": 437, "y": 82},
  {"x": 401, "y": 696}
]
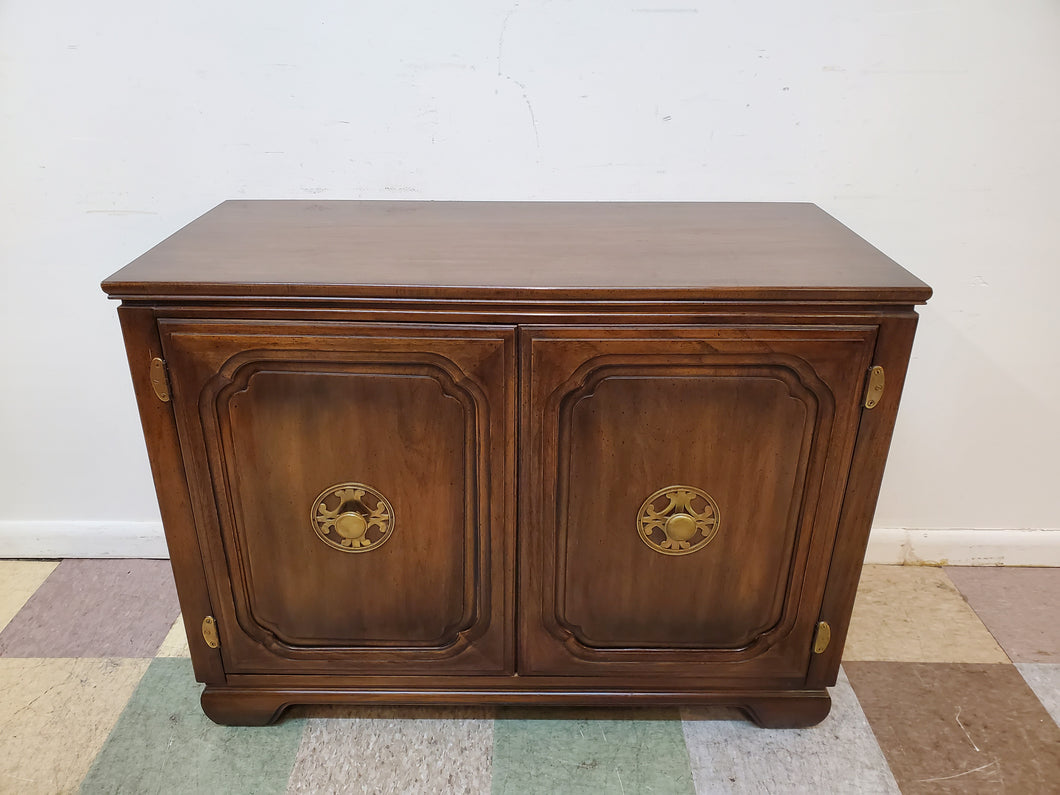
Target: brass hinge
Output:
[
  {"x": 874, "y": 387},
  {"x": 821, "y": 637},
  {"x": 209, "y": 632},
  {"x": 160, "y": 379}
]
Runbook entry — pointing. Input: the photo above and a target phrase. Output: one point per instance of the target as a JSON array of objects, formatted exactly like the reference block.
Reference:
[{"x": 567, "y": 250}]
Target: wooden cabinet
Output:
[{"x": 516, "y": 453}]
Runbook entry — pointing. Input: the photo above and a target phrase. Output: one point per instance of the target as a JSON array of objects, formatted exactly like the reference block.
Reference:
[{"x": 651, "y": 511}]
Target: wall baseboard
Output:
[
  {"x": 886, "y": 545},
  {"x": 82, "y": 540},
  {"x": 1015, "y": 547}
]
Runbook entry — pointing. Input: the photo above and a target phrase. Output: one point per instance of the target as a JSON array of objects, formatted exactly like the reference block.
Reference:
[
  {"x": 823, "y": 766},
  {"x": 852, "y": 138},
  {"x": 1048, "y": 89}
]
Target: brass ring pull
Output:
[
  {"x": 678, "y": 520},
  {"x": 352, "y": 517}
]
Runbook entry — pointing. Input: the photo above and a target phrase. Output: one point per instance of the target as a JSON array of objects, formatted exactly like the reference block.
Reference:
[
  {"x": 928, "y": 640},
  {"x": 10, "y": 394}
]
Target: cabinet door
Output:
[
  {"x": 681, "y": 494},
  {"x": 353, "y": 488}
]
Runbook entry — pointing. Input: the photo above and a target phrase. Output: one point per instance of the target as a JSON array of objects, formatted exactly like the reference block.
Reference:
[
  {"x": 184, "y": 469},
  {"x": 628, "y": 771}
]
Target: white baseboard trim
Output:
[
  {"x": 82, "y": 540},
  {"x": 886, "y": 545},
  {"x": 1014, "y": 547}
]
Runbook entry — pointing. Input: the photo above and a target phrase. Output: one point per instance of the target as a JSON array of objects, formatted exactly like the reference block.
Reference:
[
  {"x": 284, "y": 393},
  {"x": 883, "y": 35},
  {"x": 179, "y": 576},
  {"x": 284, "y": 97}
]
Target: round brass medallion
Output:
[
  {"x": 678, "y": 520},
  {"x": 352, "y": 517}
]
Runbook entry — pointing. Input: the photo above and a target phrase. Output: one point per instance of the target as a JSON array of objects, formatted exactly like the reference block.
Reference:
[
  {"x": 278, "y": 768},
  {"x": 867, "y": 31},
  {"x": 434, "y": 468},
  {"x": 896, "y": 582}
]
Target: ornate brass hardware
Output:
[
  {"x": 352, "y": 517},
  {"x": 159, "y": 379},
  {"x": 874, "y": 389},
  {"x": 209, "y": 632},
  {"x": 822, "y": 637},
  {"x": 678, "y": 520}
]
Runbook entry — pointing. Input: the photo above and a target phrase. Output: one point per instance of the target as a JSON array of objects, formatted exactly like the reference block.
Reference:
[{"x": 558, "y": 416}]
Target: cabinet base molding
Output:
[{"x": 782, "y": 709}]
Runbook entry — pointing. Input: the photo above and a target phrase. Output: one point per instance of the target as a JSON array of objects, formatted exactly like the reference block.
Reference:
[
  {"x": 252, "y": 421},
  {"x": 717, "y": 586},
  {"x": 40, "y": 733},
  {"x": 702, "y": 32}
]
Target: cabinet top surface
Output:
[{"x": 516, "y": 251}]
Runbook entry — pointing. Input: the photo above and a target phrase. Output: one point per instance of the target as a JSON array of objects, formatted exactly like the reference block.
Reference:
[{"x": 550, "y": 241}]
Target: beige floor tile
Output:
[
  {"x": 176, "y": 642},
  {"x": 55, "y": 715},
  {"x": 18, "y": 580},
  {"x": 916, "y": 614}
]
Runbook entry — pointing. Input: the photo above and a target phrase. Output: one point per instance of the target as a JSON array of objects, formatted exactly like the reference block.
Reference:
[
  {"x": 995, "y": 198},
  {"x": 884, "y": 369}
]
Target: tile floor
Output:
[{"x": 950, "y": 683}]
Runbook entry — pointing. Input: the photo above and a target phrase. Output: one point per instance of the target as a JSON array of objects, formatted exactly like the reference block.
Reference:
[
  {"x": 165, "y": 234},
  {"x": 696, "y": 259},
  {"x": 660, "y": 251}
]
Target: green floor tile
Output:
[
  {"x": 163, "y": 743},
  {"x": 598, "y": 751}
]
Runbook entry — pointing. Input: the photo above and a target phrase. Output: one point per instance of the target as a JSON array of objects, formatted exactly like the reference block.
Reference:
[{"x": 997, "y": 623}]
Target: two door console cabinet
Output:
[{"x": 516, "y": 453}]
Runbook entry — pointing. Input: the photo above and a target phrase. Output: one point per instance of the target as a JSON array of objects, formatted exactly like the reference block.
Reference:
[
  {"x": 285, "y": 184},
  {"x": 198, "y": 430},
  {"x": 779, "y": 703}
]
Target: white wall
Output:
[{"x": 932, "y": 131}]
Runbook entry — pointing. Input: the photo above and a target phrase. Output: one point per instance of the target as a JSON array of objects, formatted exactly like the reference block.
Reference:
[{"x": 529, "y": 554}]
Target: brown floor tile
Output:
[
  {"x": 915, "y": 614},
  {"x": 95, "y": 608},
  {"x": 1020, "y": 606},
  {"x": 967, "y": 728}
]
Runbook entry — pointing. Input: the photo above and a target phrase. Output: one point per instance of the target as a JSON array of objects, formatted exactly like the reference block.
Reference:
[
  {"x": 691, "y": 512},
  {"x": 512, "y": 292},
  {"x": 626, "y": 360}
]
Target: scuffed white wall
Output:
[{"x": 933, "y": 131}]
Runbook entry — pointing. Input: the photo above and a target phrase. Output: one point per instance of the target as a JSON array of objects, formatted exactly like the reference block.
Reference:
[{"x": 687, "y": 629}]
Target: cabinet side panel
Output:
[
  {"x": 163, "y": 449},
  {"x": 894, "y": 343}
]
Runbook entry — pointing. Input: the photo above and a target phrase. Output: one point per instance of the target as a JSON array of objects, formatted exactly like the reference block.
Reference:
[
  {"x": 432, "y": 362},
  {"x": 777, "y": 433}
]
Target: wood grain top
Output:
[{"x": 517, "y": 251}]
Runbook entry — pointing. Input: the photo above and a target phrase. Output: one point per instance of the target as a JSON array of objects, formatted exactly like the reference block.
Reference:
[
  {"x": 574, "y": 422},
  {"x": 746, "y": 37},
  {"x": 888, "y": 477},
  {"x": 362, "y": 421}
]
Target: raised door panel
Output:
[
  {"x": 353, "y": 487},
  {"x": 682, "y": 489}
]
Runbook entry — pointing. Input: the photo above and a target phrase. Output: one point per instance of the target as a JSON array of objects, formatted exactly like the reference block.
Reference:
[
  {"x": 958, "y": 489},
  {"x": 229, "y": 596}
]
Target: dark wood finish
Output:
[
  {"x": 893, "y": 347},
  {"x": 762, "y": 418},
  {"x": 517, "y": 251},
  {"x": 272, "y": 414},
  {"x": 163, "y": 449},
  {"x": 790, "y": 709},
  {"x": 631, "y": 346}
]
